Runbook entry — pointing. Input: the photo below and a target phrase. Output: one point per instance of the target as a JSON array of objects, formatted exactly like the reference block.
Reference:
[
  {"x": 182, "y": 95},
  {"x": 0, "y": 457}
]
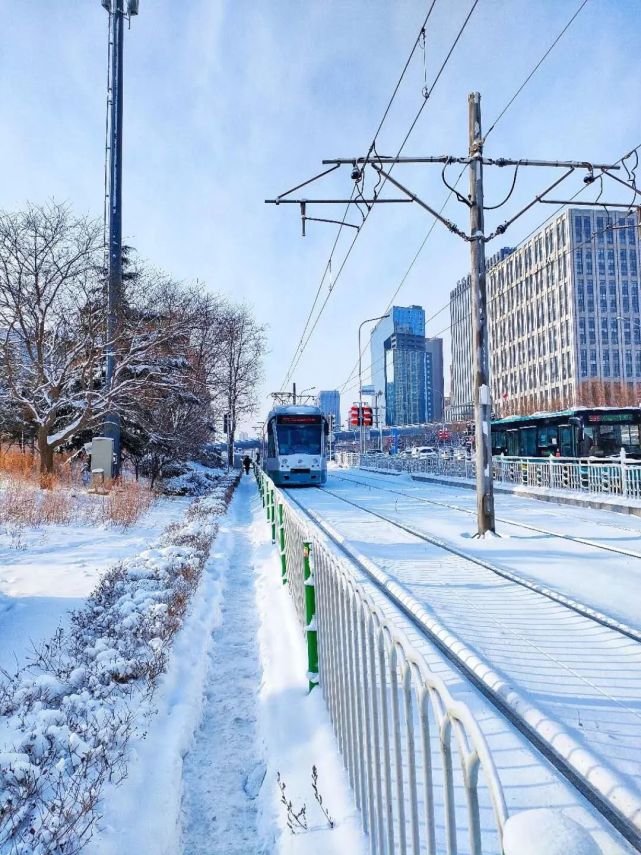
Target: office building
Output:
[
  {"x": 564, "y": 317},
  {"x": 329, "y": 402},
  {"x": 565, "y": 326},
  {"x": 461, "y": 406},
  {"x": 407, "y": 368}
]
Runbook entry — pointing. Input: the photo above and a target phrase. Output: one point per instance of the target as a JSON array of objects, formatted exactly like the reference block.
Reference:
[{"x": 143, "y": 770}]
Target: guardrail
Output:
[
  {"x": 612, "y": 477},
  {"x": 421, "y": 769}
]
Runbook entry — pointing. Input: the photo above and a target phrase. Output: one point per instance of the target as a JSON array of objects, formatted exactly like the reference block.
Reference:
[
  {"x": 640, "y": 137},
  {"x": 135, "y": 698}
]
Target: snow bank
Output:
[
  {"x": 73, "y": 709},
  {"x": 546, "y": 832}
]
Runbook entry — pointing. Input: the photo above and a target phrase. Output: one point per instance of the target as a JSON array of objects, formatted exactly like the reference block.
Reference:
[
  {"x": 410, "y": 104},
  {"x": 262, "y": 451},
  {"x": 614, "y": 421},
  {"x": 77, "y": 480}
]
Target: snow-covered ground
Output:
[
  {"x": 233, "y": 710},
  {"x": 580, "y": 677},
  {"x": 46, "y": 572}
]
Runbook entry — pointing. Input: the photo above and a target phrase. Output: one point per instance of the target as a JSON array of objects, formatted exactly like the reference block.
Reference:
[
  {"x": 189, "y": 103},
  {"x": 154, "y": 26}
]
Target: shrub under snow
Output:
[{"x": 74, "y": 707}]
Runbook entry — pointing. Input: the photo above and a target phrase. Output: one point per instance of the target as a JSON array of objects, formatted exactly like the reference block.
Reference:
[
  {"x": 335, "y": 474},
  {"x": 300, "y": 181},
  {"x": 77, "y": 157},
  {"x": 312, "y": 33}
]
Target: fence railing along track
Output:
[
  {"x": 595, "y": 476},
  {"x": 421, "y": 769}
]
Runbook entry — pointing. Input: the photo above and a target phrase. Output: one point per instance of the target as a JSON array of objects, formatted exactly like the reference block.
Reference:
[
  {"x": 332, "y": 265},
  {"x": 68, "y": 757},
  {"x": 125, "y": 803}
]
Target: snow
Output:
[
  {"x": 56, "y": 567},
  {"x": 232, "y": 711},
  {"x": 546, "y": 832},
  {"x": 582, "y": 678}
]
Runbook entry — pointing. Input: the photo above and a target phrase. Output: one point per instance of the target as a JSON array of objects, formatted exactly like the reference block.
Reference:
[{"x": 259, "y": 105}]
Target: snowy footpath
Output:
[{"x": 233, "y": 711}]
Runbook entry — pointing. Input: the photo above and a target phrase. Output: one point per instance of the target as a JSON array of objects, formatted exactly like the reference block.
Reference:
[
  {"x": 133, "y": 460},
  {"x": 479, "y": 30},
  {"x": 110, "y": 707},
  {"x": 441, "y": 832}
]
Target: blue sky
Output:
[{"x": 228, "y": 103}]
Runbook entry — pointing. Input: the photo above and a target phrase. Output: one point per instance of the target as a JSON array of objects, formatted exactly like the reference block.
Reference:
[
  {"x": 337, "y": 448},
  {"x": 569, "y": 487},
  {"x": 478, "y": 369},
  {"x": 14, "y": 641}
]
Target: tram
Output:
[
  {"x": 294, "y": 446},
  {"x": 581, "y": 432}
]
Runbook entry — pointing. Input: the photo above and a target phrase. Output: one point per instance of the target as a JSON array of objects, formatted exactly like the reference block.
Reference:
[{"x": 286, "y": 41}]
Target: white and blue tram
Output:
[{"x": 294, "y": 446}]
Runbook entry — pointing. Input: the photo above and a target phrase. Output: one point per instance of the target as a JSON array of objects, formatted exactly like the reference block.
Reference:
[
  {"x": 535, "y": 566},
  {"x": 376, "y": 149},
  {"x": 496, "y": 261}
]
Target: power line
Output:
[
  {"x": 453, "y": 188},
  {"x": 426, "y": 97},
  {"x": 347, "y": 388},
  {"x": 327, "y": 269},
  {"x": 535, "y": 69}
]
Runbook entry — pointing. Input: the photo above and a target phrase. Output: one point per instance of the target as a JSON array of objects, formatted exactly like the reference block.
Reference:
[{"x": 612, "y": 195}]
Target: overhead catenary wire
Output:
[
  {"x": 634, "y": 151},
  {"x": 372, "y": 147},
  {"x": 453, "y": 189},
  {"x": 402, "y": 146}
]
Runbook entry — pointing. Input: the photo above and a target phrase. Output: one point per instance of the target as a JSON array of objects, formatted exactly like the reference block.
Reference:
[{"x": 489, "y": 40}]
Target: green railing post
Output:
[
  {"x": 267, "y": 502},
  {"x": 281, "y": 537},
  {"x": 310, "y": 617},
  {"x": 273, "y": 517}
]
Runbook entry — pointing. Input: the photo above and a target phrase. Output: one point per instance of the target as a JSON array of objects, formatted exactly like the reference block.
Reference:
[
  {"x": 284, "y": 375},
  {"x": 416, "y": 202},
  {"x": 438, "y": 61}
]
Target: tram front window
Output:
[
  {"x": 612, "y": 438},
  {"x": 299, "y": 439}
]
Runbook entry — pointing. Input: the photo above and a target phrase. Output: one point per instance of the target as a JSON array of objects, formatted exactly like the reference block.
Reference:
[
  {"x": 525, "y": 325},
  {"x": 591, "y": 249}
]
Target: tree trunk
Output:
[{"x": 46, "y": 452}]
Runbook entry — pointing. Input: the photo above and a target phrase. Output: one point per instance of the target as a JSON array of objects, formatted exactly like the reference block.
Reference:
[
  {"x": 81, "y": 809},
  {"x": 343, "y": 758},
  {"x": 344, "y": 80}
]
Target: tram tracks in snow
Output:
[
  {"x": 551, "y": 594},
  {"x": 628, "y": 553},
  {"x": 560, "y": 749}
]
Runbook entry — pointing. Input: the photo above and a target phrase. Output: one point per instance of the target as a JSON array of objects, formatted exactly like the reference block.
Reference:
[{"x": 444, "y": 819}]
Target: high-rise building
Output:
[
  {"x": 329, "y": 402},
  {"x": 565, "y": 325},
  {"x": 407, "y": 368},
  {"x": 461, "y": 406},
  {"x": 564, "y": 316}
]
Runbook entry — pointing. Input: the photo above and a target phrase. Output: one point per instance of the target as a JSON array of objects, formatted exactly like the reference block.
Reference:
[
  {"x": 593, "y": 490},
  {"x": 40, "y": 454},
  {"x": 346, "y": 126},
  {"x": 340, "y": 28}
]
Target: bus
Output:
[{"x": 599, "y": 432}]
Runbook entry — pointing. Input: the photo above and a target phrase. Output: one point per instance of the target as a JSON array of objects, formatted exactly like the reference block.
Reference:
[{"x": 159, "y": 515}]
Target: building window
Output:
[
  {"x": 611, "y": 269},
  {"x": 592, "y": 330},
  {"x": 584, "y": 363},
  {"x": 600, "y": 228},
  {"x": 587, "y": 228},
  {"x": 578, "y": 234},
  {"x": 637, "y": 359},
  {"x": 628, "y": 363},
  {"x": 633, "y": 263},
  {"x": 593, "y": 366},
  {"x": 613, "y": 296},
  {"x": 600, "y": 254},
  {"x": 635, "y": 297},
  {"x": 610, "y": 231},
  {"x": 604, "y": 331},
  {"x": 579, "y": 262},
  {"x": 616, "y": 364},
  {"x": 636, "y": 331},
  {"x": 627, "y": 336},
  {"x": 606, "y": 363},
  {"x": 588, "y": 262},
  {"x": 603, "y": 297},
  {"x": 623, "y": 262},
  {"x": 614, "y": 331}
]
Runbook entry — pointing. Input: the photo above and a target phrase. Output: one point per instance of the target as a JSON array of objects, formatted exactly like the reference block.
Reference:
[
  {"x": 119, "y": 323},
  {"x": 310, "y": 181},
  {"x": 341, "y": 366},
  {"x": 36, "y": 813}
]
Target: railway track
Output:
[
  {"x": 527, "y": 526},
  {"x": 572, "y": 760}
]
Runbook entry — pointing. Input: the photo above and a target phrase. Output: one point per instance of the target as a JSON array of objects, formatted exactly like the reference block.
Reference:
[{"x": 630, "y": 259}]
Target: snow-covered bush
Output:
[{"x": 75, "y": 706}]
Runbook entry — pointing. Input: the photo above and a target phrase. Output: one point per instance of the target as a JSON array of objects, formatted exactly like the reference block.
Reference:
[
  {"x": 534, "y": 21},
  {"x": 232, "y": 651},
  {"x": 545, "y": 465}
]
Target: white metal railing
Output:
[
  {"x": 421, "y": 770},
  {"x": 613, "y": 477}
]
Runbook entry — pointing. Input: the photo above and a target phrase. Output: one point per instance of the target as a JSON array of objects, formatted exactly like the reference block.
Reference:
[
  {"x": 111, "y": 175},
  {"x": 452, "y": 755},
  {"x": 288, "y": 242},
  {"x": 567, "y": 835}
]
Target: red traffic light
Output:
[
  {"x": 368, "y": 416},
  {"x": 354, "y": 416}
]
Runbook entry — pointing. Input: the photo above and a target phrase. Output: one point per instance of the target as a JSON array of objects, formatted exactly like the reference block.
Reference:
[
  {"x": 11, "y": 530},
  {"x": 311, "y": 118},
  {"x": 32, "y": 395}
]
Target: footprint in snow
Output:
[{"x": 254, "y": 780}]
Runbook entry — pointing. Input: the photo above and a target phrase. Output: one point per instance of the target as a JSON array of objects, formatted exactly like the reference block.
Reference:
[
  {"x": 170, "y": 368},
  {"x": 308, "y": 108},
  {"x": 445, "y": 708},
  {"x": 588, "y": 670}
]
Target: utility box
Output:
[{"x": 102, "y": 453}]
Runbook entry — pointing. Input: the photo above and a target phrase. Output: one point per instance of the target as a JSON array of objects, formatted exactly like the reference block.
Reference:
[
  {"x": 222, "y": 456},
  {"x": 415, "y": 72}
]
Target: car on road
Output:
[{"x": 425, "y": 452}]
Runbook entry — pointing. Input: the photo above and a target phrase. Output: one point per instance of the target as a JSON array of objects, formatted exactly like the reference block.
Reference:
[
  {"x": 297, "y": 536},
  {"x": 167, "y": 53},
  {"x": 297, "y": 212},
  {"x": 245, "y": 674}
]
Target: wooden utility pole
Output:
[{"x": 480, "y": 348}]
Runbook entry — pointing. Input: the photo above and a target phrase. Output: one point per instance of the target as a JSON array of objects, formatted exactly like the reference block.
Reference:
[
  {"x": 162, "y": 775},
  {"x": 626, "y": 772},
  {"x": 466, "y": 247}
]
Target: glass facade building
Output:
[
  {"x": 329, "y": 402},
  {"x": 407, "y": 368}
]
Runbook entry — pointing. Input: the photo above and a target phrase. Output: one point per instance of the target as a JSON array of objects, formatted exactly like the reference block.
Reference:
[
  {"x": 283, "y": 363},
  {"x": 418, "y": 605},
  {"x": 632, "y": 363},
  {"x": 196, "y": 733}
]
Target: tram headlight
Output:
[{"x": 284, "y": 462}]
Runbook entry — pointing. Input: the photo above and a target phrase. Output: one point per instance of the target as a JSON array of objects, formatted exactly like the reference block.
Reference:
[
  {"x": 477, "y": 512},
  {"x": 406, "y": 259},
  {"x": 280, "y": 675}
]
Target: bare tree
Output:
[
  {"x": 238, "y": 367},
  {"x": 52, "y": 341}
]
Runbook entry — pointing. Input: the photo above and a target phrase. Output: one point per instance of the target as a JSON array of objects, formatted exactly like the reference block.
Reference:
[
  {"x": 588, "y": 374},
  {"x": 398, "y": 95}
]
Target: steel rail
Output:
[
  {"x": 629, "y": 553},
  {"x": 398, "y": 727},
  {"x": 550, "y": 593},
  {"x": 530, "y": 721}
]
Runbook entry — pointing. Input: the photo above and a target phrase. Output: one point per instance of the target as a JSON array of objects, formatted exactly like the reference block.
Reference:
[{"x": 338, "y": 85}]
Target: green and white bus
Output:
[{"x": 581, "y": 432}]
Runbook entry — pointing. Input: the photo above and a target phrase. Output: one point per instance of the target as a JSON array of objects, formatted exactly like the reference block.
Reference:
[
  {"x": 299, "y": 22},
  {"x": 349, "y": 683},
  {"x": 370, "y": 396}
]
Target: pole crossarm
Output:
[
  {"x": 486, "y": 161},
  {"x": 279, "y": 201},
  {"x": 414, "y": 198}
]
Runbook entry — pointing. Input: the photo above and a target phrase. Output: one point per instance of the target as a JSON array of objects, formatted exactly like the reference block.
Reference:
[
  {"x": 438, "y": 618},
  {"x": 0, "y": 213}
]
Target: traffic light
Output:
[
  {"x": 368, "y": 416},
  {"x": 355, "y": 416}
]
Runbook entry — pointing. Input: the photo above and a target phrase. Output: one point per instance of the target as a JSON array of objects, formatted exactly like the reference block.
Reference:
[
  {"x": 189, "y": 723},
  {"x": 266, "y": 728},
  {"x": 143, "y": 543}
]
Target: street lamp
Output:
[{"x": 360, "y": 380}]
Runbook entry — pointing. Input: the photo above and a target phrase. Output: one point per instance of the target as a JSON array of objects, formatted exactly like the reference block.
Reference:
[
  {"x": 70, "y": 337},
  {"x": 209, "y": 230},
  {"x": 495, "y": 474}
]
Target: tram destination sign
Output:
[{"x": 298, "y": 419}]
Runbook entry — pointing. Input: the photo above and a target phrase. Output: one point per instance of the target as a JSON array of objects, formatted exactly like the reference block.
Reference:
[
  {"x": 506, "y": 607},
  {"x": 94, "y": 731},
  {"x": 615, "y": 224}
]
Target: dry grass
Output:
[{"x": 29, "y": 499}]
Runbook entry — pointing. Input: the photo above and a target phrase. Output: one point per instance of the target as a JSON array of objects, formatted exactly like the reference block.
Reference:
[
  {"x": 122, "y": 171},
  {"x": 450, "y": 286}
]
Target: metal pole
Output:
[
  {"x": 114, "y": 285},
  {"x": 480, "y": 349},
  {"x": 293, "y": 393},
  {"x": 360, "y": 394},
  {"x": 360, "y": 380}
]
